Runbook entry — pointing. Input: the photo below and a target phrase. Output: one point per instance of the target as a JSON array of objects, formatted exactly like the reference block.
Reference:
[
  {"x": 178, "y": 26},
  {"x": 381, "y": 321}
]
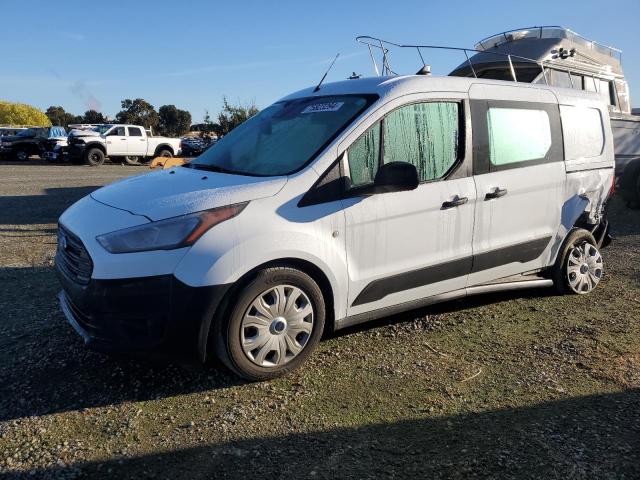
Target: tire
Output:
[
  {"x": 281, "y": 344},
  {"x": 130, "y": 160},
  {"x": 164, "y": 152},
  {"x": 630, "y": 185},
  {"x": 22, "y": 155},
  {"x": 94, "y": 157},
  {"x": 579, "y": 267}
]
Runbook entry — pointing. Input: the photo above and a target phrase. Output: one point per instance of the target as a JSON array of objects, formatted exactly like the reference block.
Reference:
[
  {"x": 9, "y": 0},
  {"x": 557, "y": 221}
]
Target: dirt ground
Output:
[{"x": 516, "y": 385}]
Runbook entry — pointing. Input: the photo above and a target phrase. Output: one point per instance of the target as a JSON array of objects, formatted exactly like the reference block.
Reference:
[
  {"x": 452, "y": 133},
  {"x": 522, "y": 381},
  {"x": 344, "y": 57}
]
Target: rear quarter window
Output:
[
  {"x": 517, "y": 135},
  {"x": 583, "y": 132}
]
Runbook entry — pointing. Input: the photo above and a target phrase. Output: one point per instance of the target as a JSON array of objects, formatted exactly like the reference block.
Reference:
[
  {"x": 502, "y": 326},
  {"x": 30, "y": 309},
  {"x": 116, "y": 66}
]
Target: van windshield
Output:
[{"x": 284, "y": 137}]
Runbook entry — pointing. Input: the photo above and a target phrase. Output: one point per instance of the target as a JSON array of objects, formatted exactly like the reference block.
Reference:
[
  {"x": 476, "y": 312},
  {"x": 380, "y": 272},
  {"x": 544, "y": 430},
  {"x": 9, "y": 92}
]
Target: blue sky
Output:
[{"x": 82, "y": 54}]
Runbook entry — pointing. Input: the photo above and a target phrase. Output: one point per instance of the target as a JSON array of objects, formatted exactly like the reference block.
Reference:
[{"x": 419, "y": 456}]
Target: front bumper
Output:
[
  {"x": 76, "y": 150},
  {"x": 141, "y": 314}
]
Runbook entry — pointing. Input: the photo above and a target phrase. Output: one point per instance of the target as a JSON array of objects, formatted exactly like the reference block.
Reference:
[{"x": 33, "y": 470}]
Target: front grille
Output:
[{"x": 72, "y": 258}]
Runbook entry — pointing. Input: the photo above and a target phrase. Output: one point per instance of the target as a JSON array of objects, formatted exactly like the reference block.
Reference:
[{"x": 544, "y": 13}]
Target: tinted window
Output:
[
  {"x": 425, "y": 135},
  {"x": 517, "y": 135},
  {"x": 135, "y": 132},
  {"x": 364, "y": 156},
  {"x": 583, "y": 132}
]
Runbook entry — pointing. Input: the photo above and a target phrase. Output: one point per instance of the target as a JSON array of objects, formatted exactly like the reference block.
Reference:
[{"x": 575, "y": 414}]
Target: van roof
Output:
[{"x": 394, "y": 86}]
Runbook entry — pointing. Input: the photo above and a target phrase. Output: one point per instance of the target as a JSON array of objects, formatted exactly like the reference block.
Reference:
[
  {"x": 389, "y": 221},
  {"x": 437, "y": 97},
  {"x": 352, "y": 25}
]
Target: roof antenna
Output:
[{"x": 325, "y": 74}]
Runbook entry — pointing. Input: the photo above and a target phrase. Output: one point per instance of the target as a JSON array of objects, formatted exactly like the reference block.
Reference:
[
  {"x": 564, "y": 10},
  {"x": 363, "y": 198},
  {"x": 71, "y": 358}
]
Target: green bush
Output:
[{"x": 22, "y": 114}]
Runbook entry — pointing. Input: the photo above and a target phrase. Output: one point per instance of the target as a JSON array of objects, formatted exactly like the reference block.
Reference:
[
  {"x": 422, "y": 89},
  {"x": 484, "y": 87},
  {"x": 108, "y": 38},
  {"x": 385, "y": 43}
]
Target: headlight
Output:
[{"x": 167, "y": 234}]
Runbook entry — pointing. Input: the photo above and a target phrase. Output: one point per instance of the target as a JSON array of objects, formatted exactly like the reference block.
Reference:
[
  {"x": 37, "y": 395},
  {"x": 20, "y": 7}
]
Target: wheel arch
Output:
[
  {"x": 206, "y": 342},
  {"x": 96, "y": 145},
  {"x": 163, "y": 146}
]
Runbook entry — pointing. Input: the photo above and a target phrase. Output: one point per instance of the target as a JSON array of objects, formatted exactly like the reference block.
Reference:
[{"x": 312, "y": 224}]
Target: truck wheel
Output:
[
  {"x": 94, "y": 157},
  {"x": 579, "y": 267},
  {"x": 276, "y": 322},
  {"x": 130, "y": 160},
  {"x": 165, "y": 153},
  {"x": 22, "y": 154}
]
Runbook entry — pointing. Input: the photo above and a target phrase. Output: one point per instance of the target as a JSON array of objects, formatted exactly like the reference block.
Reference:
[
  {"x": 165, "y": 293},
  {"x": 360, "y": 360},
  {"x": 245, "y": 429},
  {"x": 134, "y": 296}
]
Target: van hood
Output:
[{"x": 179, "y": 191}]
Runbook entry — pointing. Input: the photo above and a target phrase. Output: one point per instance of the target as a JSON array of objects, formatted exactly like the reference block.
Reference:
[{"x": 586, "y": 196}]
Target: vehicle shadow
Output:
[
  {"x": 45, "y": 367},
  {"x": 38, "y": 209},
  {"x": 595, "y": 436}
]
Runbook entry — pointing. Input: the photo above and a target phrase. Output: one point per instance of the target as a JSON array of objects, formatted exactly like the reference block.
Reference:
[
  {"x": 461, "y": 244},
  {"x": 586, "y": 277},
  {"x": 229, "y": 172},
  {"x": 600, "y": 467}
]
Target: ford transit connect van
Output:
[{"x": 336, "y": 206}]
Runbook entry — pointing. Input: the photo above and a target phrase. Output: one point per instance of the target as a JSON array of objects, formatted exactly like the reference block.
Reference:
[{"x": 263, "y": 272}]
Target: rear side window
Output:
[
  {"x": 134, "y": 132},
  {"x": 426, "y": 135},
  {"x": 517, "y": 135},
  {"x": 583, "y": 132}
]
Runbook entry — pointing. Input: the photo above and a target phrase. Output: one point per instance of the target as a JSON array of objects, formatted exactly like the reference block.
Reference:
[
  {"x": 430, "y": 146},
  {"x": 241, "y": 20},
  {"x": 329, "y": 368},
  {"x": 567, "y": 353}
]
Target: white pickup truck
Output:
[{"x": 129, "y": 143}]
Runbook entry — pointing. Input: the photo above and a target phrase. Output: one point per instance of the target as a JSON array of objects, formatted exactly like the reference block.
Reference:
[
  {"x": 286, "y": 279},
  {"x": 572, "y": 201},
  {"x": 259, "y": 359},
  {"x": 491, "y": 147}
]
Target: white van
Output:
[{"x": 333, "y": 207}]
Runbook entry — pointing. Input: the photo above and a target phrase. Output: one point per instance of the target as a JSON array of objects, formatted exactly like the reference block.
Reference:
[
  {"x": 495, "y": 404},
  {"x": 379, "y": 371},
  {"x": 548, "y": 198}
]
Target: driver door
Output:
[
  {"x": 117, "y": 141},
  {"x": 404, "y": 246}
]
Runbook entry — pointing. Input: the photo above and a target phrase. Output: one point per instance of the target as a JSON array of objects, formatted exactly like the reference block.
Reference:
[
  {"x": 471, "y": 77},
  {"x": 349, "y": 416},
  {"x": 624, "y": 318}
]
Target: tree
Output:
[
  {"x": 173, "y": 121},
  {"x": 138, "y": 112},
  {"x": 22, "y": 114},
  {"x": 233, "y": 115},
  {"x": 59, "y": 117},
  {"x": 91, "y": 116}
]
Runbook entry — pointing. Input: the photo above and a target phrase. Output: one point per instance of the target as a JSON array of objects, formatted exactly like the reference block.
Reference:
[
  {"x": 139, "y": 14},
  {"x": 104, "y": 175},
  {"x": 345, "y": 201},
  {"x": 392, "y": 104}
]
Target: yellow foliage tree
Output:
[{"x": 22, "y": 114}]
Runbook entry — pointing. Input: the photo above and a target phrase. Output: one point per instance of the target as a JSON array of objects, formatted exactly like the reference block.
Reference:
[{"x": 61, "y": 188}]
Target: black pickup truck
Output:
[{"x": 32, "y": 141}]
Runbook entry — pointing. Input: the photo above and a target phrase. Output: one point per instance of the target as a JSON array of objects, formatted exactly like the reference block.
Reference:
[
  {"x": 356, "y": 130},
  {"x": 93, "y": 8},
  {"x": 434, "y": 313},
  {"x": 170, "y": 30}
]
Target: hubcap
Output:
[
  {"x": 584, "y": 268},
  {"x": 277, "y": 326}
]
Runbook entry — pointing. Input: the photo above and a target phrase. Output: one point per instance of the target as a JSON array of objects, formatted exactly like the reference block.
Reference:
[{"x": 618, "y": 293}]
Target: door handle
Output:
[
  {"x": 456, "y": 202},
  {"x": 123, "y": 139},
  {"x": 497, "y": 193}
]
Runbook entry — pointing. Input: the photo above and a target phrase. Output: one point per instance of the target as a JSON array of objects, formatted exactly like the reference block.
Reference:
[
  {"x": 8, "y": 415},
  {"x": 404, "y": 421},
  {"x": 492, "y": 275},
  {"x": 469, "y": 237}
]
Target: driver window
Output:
[
  {"x": 116, "y": 132},
  {"x": 364, "y": 157}
]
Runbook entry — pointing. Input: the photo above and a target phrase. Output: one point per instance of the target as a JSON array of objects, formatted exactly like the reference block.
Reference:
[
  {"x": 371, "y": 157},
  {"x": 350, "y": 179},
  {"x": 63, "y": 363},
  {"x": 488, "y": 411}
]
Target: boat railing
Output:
[
  {"x": 546, "y": 31},
  {"x": 384, "y": 46}
]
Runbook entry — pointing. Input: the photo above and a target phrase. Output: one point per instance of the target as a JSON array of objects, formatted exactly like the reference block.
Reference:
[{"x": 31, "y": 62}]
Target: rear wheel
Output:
[
  {"x": 274, "y": 326},
  {"x": 579, "y": 267},
  {"x": 94, "y": 157},
  {"x": 22, "y": 154}
]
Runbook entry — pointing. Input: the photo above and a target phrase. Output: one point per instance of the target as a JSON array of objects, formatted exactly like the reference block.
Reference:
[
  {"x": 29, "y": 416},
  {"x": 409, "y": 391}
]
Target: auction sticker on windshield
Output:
[{"x": 323, "y": 107}]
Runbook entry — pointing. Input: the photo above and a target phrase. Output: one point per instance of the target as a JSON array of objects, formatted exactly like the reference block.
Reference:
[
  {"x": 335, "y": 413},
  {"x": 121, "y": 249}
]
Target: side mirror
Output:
[{"x": 396, "y": 177}]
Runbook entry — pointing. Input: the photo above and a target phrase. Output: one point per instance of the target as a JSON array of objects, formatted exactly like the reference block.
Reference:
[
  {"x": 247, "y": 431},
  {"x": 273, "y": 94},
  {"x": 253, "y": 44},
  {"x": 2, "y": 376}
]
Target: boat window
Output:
[
  {"x": 583, "y": 132},
  {"x": 560, "y": 79},
  {"x": 517, "y": 135},
  {"x": 576, "y": 81},
  {"x": 523, "y": 74},
  {"x": 607, "y": 92},
  {"x": 425, "y": 135},
  {"x": 364, "y": 156},
  {"x": 590, "y": 84}
]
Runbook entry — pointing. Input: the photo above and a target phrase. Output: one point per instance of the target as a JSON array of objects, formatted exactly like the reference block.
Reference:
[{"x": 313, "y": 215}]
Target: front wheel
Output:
[
  {"x": 165, "y": 153},
  {"x": 274, "y": 326},
  {"x": 94, "y": 157},
  {"x": 579, "y": 267}
]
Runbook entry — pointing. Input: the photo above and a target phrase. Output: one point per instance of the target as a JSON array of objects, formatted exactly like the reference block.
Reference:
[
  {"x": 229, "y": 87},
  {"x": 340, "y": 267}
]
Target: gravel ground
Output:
[{"x": 519, "y": 385}]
